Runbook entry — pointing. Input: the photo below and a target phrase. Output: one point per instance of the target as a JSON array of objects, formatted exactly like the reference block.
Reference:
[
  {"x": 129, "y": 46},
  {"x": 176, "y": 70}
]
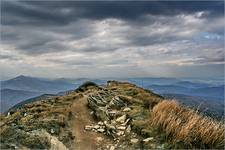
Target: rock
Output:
[
  {"x": 116, "y": 98},
  {"x": 110, "y": 130},
  {"x": 52, "y": 131},
  {"x": 113, "y": 122},
  {"x": 111, "y": 103},
  {"x": 98, "y": 105},
  {"x": 126, "y": 109},
  {"x": 160, "y": 146},
  {"x": 118, "y": 102},
  {"x": 99, "y": 101},
  {"x": 134, "y": 141},
  {"x": 87, "y": 127},
  {"x": 125, "y": 123},
  {"x": 121, "y": 119},
  {"x": 110, "y": 127},
  {"x": 128, "y": 129},
  {"x": 99, "y": 139},
  {"x": 96, "y": 127},
  {"x": 55, "y": 143},
  {"x": 25, "y": 114},
  {"x": 121, "y": 128},
  {"x": 101, "y": 113},
  {"x": 101, "y": 130},
  {"x": 112, "y": 148},
  {"x": 120, "y": 133},
  {"x": 100, "y": 123},
  {"x": 112, "y": 112},
  {"x": 148, "y": 139}
]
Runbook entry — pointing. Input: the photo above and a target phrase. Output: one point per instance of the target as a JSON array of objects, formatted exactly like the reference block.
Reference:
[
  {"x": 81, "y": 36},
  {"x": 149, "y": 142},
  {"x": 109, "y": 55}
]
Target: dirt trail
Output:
[{"x": 85, "y": 140}]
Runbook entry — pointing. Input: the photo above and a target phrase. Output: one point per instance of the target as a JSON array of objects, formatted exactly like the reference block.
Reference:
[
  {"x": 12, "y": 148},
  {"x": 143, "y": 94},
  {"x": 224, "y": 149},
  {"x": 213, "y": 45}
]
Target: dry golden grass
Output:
[{"x": 187, "y": 126}]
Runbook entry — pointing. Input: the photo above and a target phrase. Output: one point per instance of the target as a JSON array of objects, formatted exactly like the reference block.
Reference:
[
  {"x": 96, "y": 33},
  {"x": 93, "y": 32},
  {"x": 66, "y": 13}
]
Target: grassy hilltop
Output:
[{"x": 117, "y": 116}]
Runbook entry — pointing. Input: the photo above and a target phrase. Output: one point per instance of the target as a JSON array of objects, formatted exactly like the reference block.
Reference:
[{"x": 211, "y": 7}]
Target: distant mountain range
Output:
[
  {"x": 191, "y": 92},
  {"x": 30, "y": 100},
  {"x": 36, "y": 85},
  {"x": 18, "y": 89},
  {"x": 209, "y": 92}
]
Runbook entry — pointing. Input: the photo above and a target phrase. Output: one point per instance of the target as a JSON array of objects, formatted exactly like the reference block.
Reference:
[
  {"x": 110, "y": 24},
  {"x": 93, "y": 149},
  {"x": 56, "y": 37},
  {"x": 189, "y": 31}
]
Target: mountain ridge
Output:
[{"x": 119, "y": 115}]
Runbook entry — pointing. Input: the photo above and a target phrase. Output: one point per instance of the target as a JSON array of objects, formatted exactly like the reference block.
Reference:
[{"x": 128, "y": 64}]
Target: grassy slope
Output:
[{"x": 149, "y": 119}]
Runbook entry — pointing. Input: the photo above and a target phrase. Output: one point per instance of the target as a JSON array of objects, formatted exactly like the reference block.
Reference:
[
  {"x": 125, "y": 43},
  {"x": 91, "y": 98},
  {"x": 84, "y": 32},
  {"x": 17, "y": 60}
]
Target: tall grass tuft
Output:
[{"x": 186, "y": 126}]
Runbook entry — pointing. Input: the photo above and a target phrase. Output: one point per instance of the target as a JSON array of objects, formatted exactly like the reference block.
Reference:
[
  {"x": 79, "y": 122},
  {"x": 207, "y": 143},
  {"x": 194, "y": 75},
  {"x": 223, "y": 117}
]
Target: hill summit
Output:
[{"x": 119, "y": 115}]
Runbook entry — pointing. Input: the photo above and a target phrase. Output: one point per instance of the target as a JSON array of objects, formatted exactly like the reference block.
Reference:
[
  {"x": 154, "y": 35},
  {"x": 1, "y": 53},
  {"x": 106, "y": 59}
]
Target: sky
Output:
[{"x": 74, "y": 39}]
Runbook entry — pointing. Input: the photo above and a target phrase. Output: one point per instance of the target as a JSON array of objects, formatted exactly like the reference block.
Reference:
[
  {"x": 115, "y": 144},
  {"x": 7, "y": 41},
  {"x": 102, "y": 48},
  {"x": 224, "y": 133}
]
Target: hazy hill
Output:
[
  {"x": 20, "y": 88},
  {"x": 192, "y": 89},
  {"x": 30, "y": 100},
  {"x": 189, "y": 84},
  {"x": 161, "y": 89},
  {"x": 144, "y": 82},
  {"x": 36, "y": 85},
  {"x": 216, "y": 92},
  {"x": 11, "y": 97}
]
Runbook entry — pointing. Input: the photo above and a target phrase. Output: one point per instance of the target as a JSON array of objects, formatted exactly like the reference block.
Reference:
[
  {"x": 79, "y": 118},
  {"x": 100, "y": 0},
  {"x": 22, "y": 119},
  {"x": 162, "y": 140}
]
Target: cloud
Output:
[
  {"x": 111, "y": 36},
  {"x": 65, "y": 12}
]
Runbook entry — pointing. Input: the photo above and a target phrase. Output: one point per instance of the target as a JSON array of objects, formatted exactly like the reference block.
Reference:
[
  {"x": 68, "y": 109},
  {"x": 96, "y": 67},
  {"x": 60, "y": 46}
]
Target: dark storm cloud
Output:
[
  {"x": 64, "y": 12},
  {"x": 15, "y": 13},
  {"x": 116, "y": 35}
]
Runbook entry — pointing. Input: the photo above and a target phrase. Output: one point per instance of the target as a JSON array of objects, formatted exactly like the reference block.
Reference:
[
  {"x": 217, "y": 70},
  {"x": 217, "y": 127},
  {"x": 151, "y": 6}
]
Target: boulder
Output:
[
  {"x": 118, "y": 102},
  {"x": 121, "y": 119},
  {"x": 119, "y": 133},
  {"x": 127, "y": 109},
  {"x": 134, "y": 141},
  {"x": 100, "y": 123},
  {"x": 112, "y": 147},
  {"x": 87, "y": 127},
  {"x": 121, "y": 128},
  {"x": 148, "y": 139},
  {"x": 52, "y": 131},
  {"x": 96, "y": 127},
  {"x": 101, "y": 130},
  {"x": 110, "y": 127},
  {"x": 125, "y": 123},
  {"x": 99, "y": 139},
  {"x": 128, "y": 130}
]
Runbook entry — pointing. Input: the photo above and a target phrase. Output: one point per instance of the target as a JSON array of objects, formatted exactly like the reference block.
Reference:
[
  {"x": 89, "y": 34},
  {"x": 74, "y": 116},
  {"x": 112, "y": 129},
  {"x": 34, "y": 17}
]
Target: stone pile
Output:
[
  {"x": 115, "y": 128},
  {"x": 113, "y": 114},
  {"x": 106, "y": 106}
]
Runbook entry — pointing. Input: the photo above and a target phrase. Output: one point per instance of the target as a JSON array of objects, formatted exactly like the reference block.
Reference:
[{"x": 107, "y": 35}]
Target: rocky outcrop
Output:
[
  {"x": 123, "y": 111},
  {"x": 113, "y": 115},
  {"x": 112, "y": 111}
]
